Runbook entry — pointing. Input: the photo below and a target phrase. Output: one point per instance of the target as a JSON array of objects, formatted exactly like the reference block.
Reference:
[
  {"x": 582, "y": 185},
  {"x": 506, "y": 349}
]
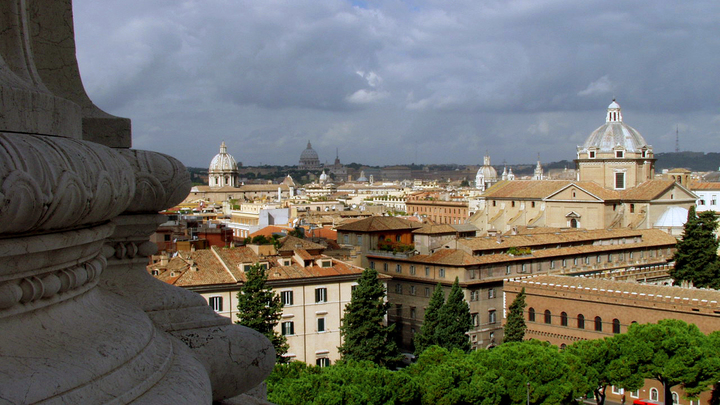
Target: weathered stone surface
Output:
[{"x": 81, "y": 321}]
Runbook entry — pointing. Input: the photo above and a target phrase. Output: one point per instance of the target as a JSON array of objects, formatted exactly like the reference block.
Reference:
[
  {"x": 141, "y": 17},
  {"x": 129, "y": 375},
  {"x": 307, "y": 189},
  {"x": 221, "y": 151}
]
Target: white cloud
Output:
[{"x": 600, "y": 86}]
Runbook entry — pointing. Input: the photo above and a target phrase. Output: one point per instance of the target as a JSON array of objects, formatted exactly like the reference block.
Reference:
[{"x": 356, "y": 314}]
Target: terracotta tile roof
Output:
[
  {"x": 575, "y": 236},
  {"x": 208, "y": 268},
  {"x": 235, "y": 256},
  {"x": 519, "y": 189},
  {"x": 651, "y": 291},
  {"x": 270, "y": 230},
  {"x": 442, "y": 229},
  {"x": 705, "y": 185},
  {"x": 323, "y": 232},
  {"x": 200, "y": 267},
  {"x": 648, "y": 190},
  {"x": 449, "y": 257},
  {"x": 379, "y": 224},
  {"x": 290, "y": 243},
  {"x": 457, "y": 257}
]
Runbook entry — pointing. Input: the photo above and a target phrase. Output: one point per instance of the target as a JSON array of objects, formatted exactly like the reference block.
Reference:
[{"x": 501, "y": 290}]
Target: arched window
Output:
[
  {"x": 531, "y": 314},
  {"x": 598, "y": 324},
  {"x": 563, "y": 346},
  {"x": 616, "y": 326},
  {"x": 573, "y": 223},
  {"x": 653, "y": 394},
  {"x": 675, "y": 398},
  {"x": 581, "y": 321},
  {"x": 563, "y": 319},
  {"x": 548, "y": 316}
]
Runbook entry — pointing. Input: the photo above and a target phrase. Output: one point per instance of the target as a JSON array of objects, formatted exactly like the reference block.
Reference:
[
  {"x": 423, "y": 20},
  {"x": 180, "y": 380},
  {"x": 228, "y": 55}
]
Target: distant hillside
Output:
[{"x": 695, "y": 161}]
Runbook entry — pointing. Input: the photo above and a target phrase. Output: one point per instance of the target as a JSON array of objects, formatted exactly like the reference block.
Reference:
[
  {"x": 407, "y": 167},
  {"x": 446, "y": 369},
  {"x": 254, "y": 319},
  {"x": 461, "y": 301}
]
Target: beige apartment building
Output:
[
  {"x": 483, "y": 264},
  {"x": 313, "y": 287}
]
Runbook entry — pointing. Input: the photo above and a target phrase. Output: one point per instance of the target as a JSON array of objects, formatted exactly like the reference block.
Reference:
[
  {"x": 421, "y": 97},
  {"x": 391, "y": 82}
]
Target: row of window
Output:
[
  {"x": 492, "y": 318},
  {"x": 580, "y": 320},
  {"x": 413, "y": 270},
  {"x": 654, "y": 395},
  {"x": 288, "y": 327},
  {"x": 320, "y": 296},
  {"x": 475, "y": 295}
]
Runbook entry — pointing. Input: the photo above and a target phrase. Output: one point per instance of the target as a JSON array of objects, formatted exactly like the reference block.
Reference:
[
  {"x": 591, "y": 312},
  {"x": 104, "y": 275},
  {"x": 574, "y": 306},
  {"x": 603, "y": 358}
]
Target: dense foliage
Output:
[
  {"x": 445, "y": 324},
  {"x": 260, "y": 309},
  {"x": 515, "y": 325},
  {"x": 671, "y": 351},
  {"x": 366, "y": 337},
  {"x": 427, "y": 336},
  {"x": 454, "y": 321},
  {"x": 696, "y": 258}
]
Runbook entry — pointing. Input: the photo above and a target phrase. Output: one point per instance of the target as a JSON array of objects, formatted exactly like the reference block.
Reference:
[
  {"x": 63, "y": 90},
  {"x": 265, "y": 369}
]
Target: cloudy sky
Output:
[{"x": 397, "y": 82}]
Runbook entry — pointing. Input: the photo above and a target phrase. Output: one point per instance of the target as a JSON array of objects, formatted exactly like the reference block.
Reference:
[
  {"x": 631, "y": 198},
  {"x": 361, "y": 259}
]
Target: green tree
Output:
[
  {"x": 454, "y": 320},
  {"x": 668, "y": 352},
  {"x": 347, "y": 382},
  {"x": 696, "y": 258},
  {"x": 515, "y": 325},
  {"x": 511, "y": 366},
  {"x": 428, "y": 335},
  {"x": 363, "y": 329},
  {"x": 260, "y": 309},
  {"x": 597, "y": 364}
]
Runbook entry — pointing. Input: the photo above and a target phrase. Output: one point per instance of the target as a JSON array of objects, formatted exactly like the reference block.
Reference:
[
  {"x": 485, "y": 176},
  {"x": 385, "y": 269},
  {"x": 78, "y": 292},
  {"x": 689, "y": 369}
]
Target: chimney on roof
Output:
[
  {"x": 514, "y": 230},
  {"x": 499, "y": 238}
]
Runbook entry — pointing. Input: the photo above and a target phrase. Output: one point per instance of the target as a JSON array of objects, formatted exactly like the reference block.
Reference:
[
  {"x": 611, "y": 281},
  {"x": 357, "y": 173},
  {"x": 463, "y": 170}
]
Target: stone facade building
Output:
[
  {"x": 483, "y": 264},
  {"x": 314, "y": 289},
  {"x": 562, "y": 310},
  {"x": 616, "y": 188}
]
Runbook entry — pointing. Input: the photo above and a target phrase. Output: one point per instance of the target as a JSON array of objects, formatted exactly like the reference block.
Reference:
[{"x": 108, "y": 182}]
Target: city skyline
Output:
[{"x": 398, "y": 83}]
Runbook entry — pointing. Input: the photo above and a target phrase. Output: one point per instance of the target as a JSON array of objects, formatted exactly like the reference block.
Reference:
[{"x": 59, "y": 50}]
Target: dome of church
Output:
[
  {"x": 223, "y": 161},
  {"x": 615, "y": 133},
  {"x": 309, "y": 158}
]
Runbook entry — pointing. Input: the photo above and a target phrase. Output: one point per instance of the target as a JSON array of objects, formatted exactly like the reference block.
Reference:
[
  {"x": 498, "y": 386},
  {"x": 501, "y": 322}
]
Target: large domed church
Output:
[
  {"x": 309, "y": 159},
  {"x": 615, "y": 155},
  {"x": 616, "y": 188},
  {"x": 223, "y": 171}
]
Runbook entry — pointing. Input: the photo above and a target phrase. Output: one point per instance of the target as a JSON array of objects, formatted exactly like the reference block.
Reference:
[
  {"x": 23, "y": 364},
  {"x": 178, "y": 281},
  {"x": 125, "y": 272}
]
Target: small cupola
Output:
[{"x": 614, "y": 114}]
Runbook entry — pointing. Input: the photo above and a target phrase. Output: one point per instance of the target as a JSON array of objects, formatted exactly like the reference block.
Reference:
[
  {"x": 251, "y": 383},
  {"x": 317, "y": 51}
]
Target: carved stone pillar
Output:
[
  {"x": 236, "y": 358},
  {"x": 75, "y": 213}
]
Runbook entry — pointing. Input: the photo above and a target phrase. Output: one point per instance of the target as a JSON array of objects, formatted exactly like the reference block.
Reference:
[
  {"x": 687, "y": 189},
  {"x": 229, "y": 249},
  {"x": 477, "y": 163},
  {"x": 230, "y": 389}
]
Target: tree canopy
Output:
[
  {"x": 670, "y": 351},
  {"x": 515, "y": 325},
  {"x": 427, "y": 335},
  {"x": 454, "y": 321},
  {"x": 696, "y": 258},
  {"x": 260, "y": 309},
  {"x": 597, "y": 364},
  {"x": 366, "y": 337}
]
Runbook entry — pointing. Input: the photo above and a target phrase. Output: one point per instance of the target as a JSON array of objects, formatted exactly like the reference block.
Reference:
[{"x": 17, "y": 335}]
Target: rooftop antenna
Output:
[{"x": 677, "y": 139}]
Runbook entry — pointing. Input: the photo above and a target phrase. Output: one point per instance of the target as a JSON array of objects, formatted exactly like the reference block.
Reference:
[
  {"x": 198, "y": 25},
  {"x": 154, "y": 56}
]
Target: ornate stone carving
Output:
[
  {"x": 64, "y": 338},
  {"x": 51, "y": 183},
  {"x": 161, "y": 181}
]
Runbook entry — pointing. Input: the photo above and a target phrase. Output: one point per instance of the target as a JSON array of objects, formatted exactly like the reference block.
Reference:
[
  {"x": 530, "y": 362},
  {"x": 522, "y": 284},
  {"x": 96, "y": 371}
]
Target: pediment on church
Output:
[{"x": 573, "y": 192}]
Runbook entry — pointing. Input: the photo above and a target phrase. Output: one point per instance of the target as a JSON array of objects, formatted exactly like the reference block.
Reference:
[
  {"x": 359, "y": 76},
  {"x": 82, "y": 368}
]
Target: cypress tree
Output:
[
  {"x": 363, "y": 329},
  {"x": 428, "y": 334},
  {"x": 515, "y": 325},
  {"x": 260, "y": 309},
  {"x": 696, "y": 258},
  {"x": 454, "y": 321}
]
